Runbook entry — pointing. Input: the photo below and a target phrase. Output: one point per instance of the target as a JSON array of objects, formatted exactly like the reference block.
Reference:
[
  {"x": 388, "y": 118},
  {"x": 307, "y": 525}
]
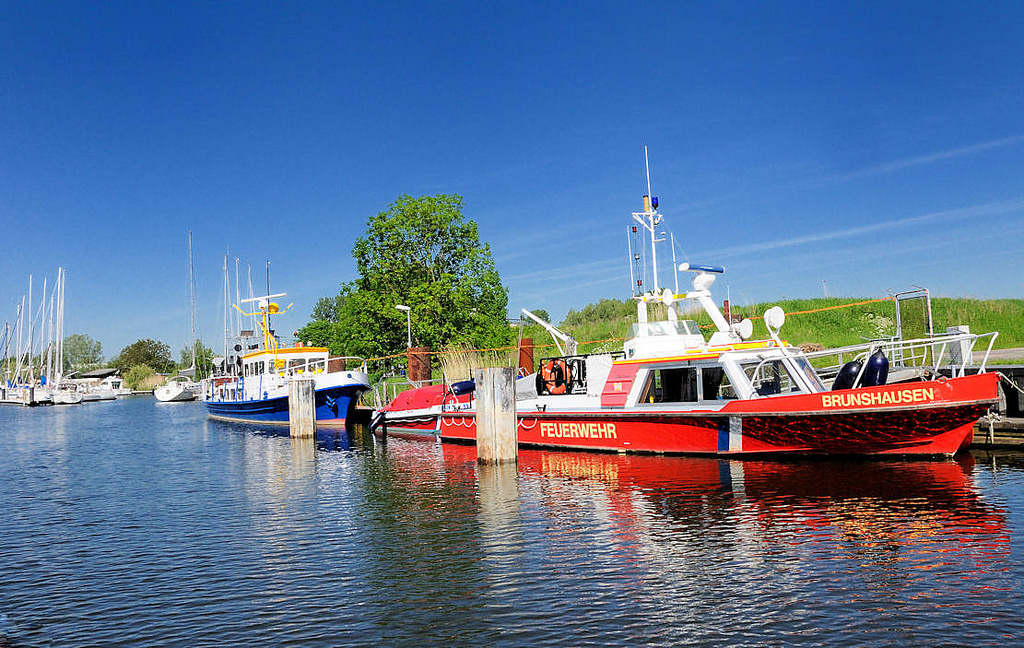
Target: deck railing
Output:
[{"x": 923, "y": 356}]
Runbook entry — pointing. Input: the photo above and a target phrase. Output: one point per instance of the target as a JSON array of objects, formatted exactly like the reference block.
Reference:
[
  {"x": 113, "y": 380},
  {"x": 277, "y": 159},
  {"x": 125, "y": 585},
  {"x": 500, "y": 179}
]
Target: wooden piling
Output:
[
  {"x": 496, "y": 416},
  {"x": 302, "y": 408}
]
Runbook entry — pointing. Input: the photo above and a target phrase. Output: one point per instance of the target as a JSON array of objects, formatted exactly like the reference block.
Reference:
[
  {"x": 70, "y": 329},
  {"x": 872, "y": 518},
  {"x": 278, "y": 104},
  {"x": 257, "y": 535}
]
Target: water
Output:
[{"x": 135, "y": 523}]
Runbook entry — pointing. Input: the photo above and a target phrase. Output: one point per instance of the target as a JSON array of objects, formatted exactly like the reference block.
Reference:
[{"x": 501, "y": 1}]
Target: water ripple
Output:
[{"x": 129, "y": 523}]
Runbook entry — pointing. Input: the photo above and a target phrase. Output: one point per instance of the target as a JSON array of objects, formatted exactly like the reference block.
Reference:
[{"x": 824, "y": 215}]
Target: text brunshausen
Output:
[{"x": 901, "y": 397}]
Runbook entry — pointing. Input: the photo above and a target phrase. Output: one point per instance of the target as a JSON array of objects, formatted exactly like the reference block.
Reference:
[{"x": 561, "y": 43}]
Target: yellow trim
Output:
[
  {"x": 287, "y": 350},
  {"x": 712, "y": 352}
]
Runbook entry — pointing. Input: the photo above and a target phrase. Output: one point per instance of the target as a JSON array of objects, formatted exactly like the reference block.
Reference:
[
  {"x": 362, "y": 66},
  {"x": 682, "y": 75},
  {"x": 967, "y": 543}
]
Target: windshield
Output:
[
  {"x": 681, "y": 327},
  {"x": 770, "y": 377}
]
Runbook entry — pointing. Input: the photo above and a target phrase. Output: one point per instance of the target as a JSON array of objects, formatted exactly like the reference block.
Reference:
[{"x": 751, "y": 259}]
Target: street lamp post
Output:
[{"x": 408, "y": 323}]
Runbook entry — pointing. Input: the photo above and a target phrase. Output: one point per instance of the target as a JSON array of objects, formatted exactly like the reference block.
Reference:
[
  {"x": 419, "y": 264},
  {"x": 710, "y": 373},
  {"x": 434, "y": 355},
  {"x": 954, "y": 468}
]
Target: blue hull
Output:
[{"x": 332, "y": 408}]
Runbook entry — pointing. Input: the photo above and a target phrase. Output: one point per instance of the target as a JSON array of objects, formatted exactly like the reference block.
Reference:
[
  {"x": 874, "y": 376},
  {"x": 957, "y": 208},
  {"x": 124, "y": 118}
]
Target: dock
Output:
[{"x": 1003, "y": 433}]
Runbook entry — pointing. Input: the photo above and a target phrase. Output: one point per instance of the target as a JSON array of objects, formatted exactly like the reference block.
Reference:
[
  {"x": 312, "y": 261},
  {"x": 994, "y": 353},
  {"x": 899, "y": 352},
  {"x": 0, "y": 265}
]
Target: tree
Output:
[
  {"x": 541, "y": 313},
  {"x": 151, "y": 353},
  {"x": 423, "y": 253},
  {"x": 204, "y": 359},
  {"x": 135, "y": 376},
  {"x": 81, "y": 352},
  {"x": 328, "y": 309}
]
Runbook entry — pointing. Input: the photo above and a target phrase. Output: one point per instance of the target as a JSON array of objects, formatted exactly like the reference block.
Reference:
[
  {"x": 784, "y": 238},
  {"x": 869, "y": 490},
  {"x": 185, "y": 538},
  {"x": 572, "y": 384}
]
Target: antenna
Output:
[
  {"x": 675, "y": 266},
  {"x": 629, "y": 262},
  {"x": 647, "y": 165}
]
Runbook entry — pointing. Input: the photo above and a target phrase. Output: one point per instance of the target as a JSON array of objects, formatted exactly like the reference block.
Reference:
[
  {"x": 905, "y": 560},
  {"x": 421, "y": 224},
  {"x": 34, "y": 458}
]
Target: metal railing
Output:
[
  {"x": 384, "y": 392},
  {"x": 923, "y": 356}
]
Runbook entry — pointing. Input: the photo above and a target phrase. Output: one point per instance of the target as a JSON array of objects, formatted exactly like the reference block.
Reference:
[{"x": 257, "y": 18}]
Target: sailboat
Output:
[
  {"x": 181, "y": 388},
  {"x": 34, "y": 375},
  {"x": 63, "y": 393}
]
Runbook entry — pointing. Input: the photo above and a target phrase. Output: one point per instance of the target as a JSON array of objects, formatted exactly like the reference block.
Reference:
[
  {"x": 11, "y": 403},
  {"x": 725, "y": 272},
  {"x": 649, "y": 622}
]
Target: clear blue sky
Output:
[{"x": 871, "y": 145}]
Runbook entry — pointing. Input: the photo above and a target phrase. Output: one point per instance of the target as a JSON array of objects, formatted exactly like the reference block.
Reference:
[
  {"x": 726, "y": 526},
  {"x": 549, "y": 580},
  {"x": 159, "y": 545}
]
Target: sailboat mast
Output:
[
  {"x": 238, "y": 300},
  {"x": 251, "y": 295},
  {"x": 49, "y": 335},
  {"x": 226, "y": 324},
  {"x": 60, "y": 326},
  {"x": 42, "y": 324},
  {"x": 31, "y": 331},
  {"x": 192, "y": 300}
]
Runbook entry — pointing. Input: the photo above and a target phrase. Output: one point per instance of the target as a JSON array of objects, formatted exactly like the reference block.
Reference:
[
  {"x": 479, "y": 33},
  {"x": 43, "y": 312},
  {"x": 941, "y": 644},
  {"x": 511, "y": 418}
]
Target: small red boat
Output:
[{"x": 415, "y": 413}]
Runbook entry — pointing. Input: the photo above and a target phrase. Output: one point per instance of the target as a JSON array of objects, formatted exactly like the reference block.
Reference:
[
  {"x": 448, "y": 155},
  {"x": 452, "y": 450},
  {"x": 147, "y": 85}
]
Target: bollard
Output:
[
  {"x": 302, "y": 408},
  {"x": 496, "y": 416}
]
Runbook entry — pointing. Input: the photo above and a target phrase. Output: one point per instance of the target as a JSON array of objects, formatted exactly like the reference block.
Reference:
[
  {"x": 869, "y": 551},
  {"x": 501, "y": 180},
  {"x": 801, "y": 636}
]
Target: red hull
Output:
[
  {"x": 420, "y": 428},
  {"x": 927, "y": 418},
  {"x": 879, "y": 503}
]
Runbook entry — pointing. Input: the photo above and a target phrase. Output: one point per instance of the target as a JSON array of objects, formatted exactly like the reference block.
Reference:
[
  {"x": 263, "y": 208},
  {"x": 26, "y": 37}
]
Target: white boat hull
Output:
[
  {"x": 65, "y": 397},
  {"x": 174, "y": 393}
]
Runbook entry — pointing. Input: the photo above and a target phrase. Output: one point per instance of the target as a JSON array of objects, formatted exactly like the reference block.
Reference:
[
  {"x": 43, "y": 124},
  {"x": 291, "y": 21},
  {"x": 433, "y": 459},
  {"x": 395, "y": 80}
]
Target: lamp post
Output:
[{"x": 408, "y": 323}]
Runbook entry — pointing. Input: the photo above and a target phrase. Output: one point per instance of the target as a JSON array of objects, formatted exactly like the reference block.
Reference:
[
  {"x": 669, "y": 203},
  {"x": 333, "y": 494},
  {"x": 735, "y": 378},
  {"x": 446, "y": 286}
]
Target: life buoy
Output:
[{"x": 554, "y": 377}]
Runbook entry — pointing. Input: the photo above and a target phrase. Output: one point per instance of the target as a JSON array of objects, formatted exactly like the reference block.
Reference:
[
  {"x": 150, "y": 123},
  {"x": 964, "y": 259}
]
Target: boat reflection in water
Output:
[{"x": 893, "y": 515}]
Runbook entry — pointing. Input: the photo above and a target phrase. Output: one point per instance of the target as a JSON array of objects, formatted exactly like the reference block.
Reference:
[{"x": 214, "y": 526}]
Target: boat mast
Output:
[
  {"x": 49, "y": 333},
  {"x": 60, "y": 325},
  {"x": 251, "y": 294},
  {"x": 31, "y": 331},
  {"x": 226, "y": 334},
  {"x": 650, "y": 219},
  {"x": 192, "y": 302},
  {"x": 238, "y": 300},
  {"x": 654, "y": 250},
  {"x": 19, "y": 348}
]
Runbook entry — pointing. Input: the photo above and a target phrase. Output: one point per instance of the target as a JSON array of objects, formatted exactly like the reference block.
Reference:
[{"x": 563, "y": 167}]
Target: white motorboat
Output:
[
  {"x": 177, "y": 389},
  {"x": 65, "y": 397},
  {"x": 115, "y": 385}
]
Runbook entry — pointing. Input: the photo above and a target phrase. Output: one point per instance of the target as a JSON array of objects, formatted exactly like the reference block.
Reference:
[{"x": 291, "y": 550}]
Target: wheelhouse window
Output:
[
  {"x": 671, "y": 385},
  {"x": 715, "y": 384},
  {"x": 770, "y": 377},
  {"x": 653, "y": 329}
]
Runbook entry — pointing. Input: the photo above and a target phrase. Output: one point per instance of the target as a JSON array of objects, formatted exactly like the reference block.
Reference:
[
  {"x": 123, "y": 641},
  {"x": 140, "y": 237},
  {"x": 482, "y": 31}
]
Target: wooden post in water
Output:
[
  {"x": 302, "y": 408},
  {"x": 496, "y": 416}
]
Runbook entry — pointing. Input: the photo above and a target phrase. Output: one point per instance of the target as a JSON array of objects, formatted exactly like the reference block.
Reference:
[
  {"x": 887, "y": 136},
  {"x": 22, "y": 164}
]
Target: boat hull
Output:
[
  {"x": 422, "y": 427},
  {"x": 935, "y": 418},
  {"x": 173, "y": 394},
  {"x": 332, "y": 408}
]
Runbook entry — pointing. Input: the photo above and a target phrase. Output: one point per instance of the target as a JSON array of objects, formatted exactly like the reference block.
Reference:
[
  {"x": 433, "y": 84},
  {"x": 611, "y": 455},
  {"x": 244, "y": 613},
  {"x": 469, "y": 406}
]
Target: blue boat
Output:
[{"x": 253, "y": 387}]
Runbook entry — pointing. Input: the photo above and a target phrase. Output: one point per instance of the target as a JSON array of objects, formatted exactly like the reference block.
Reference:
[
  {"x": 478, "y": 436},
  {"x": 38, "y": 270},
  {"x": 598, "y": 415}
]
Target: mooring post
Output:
[
  {"x": 302, "y": 408},
  {"x": 496, "y": 416}
]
